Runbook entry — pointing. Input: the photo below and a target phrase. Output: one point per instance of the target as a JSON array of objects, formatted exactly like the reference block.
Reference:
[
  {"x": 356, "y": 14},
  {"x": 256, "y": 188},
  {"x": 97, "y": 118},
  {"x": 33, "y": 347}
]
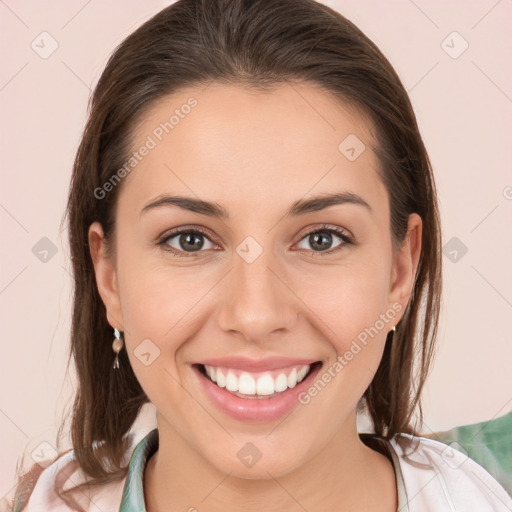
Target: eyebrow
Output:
[{"x": 213, "y": 209}]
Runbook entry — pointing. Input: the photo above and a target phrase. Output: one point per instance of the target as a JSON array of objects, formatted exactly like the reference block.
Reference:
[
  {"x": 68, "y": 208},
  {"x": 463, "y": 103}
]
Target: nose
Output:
[{"x": 257, "y": 299}]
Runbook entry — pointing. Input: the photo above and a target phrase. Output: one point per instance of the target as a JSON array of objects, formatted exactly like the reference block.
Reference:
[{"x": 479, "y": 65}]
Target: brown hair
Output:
[{"x": 257, "y": 43}]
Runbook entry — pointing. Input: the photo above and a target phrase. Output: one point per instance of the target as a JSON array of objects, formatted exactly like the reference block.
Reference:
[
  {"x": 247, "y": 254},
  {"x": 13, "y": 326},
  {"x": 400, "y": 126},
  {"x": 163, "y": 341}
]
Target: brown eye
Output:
[
  {"x": 187, "y": 241},
  {"x": 322, "y": 240}
]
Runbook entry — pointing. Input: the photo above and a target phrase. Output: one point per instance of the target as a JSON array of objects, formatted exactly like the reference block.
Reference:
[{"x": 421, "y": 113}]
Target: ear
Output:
[
  {"x": 405, "y": 263},
  {"x": 106, "y": 276}
]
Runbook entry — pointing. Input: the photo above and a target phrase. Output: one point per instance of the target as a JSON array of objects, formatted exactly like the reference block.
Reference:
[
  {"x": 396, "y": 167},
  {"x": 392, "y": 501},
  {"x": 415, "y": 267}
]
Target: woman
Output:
[{"x": 227, "y": 142}]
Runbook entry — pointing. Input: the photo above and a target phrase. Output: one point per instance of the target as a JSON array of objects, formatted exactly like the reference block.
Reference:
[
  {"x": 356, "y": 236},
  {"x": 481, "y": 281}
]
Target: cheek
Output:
[
  {"x": 160, "y": 318},
  {"x": 347, "y": 298},
  {"x": 351, "y": 309},
  {"x": 154, "y": 293},
  {"x": 354, "y": 320},
  {"x": 158, "y": 312}
]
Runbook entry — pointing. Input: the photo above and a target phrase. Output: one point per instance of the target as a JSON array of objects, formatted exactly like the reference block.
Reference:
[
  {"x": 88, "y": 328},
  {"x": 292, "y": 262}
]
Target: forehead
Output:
[{"x": 232, "y": 143}]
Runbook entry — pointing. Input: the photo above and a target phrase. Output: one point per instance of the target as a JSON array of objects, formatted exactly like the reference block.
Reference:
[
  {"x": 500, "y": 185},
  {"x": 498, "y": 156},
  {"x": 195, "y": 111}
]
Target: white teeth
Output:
[
  {"x": 265, "y": 385},
  {"x": 247, "y": 384},
  {"x": 302, "y": 373},
  {"x": 281, "y": 382},
  {"x": 231, "y": 382},
  {"x": 221, "y": 380},
  {"x": 211, "y": 373},
  {"x": 292, "y": 378}
]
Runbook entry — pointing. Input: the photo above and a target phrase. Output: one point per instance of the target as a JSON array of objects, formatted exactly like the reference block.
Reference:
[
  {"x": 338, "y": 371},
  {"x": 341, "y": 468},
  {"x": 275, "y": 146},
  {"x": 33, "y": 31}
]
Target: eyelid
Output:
[{"x": 328, "y": 227}]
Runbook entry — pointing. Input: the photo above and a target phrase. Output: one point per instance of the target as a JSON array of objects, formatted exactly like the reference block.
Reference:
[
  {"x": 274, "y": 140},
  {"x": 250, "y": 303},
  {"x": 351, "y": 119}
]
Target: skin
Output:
[{"x": 255, "y": 153}]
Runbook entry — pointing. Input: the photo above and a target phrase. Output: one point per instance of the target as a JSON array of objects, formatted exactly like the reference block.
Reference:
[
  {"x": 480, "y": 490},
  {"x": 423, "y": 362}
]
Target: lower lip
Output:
[{"x": 255, "y": 409}]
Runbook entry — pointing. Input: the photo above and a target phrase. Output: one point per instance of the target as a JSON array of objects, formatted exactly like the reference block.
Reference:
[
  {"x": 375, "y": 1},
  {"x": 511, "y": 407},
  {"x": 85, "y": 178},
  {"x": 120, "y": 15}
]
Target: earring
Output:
[
  {"x": 393, "y": 328},
  {"x": 117, "y": 345}
]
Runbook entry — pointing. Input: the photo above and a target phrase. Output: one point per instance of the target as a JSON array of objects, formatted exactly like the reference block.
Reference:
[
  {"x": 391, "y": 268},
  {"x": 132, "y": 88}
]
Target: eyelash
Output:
[{"x": 325, "y": 228}]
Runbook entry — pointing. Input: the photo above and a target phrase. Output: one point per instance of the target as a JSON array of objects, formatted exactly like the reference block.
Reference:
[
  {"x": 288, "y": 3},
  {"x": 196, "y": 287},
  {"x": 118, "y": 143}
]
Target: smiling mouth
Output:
[{"x": 257, "y": 385}]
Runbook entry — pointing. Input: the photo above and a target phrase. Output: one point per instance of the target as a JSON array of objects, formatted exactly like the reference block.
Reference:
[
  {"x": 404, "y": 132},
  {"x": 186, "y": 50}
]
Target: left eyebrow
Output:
[
  {"x": 299, "y": 207},
  {"x": 323, "y": 201}
]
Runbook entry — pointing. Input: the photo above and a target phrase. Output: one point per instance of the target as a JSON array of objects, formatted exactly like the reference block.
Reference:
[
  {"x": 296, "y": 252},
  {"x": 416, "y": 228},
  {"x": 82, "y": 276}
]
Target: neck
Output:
[{"x": 345, "y": 475}]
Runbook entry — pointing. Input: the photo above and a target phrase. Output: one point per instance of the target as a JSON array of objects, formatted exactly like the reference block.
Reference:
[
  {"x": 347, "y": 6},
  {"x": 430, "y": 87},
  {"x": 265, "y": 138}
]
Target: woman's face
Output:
[{"x": 256, "y": 295}]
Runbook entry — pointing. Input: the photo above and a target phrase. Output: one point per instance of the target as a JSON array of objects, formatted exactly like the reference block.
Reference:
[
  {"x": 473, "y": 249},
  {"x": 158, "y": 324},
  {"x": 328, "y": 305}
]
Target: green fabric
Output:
[
  {"x": 133, "y": 494},
  {"x": 489, "y": 443}
]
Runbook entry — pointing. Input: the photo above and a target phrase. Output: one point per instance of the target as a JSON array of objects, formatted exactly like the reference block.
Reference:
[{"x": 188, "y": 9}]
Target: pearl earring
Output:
[{"x": 117, "y": 345}]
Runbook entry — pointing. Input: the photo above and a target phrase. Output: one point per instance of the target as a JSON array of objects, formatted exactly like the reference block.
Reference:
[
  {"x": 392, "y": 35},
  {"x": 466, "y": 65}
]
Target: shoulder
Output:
[
  {"x": 437, "y": 476},
  {"x": 44, "y": 489},
  {"x": 62, "y": 474}
]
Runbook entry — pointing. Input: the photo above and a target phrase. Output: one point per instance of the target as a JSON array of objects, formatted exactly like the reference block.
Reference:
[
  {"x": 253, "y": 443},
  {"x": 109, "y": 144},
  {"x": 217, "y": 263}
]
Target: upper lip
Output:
[{"x": 254, "y": 365}]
